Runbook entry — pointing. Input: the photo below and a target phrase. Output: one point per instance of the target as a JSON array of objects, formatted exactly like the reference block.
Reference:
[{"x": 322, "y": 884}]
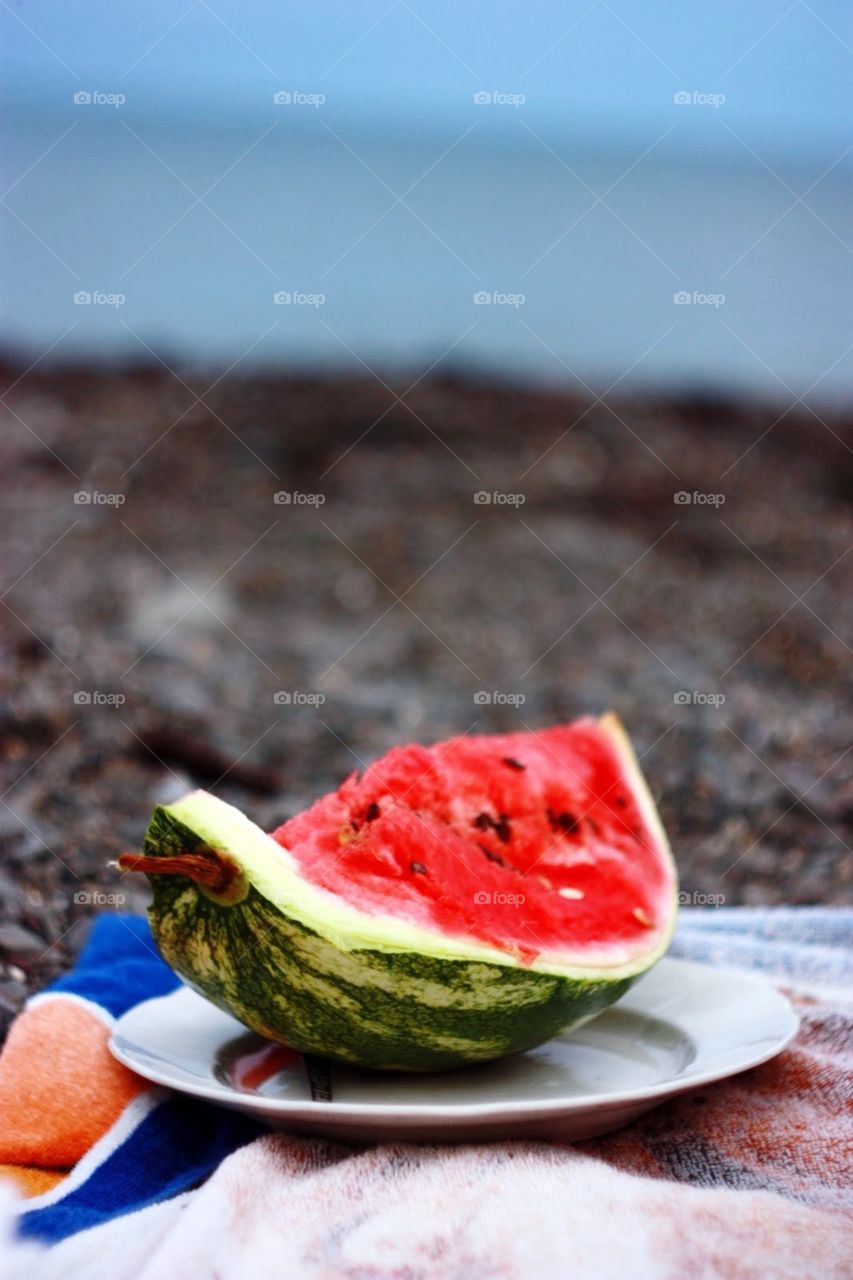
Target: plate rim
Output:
[{"x": 508, "y": 1110}]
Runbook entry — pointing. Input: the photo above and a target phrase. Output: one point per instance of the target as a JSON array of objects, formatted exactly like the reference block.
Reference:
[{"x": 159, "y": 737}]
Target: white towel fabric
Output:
[{"x": 746, "y": 1179}]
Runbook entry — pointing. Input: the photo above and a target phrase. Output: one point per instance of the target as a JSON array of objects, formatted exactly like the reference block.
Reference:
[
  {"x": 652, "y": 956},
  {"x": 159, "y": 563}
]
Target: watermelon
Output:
[{"x": 454, "y": 904}]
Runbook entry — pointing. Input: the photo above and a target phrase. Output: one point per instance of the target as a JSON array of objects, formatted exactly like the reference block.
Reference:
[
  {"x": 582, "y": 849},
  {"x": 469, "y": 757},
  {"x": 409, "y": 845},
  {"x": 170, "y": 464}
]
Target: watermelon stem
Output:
[{"x": 207, "y": 867}]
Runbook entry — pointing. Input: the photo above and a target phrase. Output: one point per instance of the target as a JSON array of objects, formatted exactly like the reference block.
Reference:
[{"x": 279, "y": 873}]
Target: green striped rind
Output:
[{"x": 371, "y": 1006}]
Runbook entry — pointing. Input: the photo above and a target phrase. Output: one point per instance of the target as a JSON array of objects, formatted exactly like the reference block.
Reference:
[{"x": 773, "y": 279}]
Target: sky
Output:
[{"x": 599, "y": 67}]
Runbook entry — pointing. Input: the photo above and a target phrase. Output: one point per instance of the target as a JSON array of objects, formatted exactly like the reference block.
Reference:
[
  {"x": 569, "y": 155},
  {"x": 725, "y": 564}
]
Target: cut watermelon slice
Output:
[
  {"x": 552, "y": 835},
  {"x": 456, "y": 903}
]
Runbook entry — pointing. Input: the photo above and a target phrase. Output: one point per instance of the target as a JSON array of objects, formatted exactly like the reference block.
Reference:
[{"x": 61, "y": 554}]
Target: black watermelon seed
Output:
[
  {"x": 500, "y": 825},
  {"x": 503, "y": 831},
  {"x": 563, "y": 821},
  {"x": 417, "y": 868},
  {"x": 493, "y": 857},
  {"x": 513, "y": 764},
  {"x": 372, "y": 812}
]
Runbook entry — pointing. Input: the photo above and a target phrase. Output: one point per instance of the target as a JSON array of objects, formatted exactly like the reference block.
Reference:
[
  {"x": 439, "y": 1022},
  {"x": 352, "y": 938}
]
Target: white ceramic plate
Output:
[{"x": 682, "y": 1026}]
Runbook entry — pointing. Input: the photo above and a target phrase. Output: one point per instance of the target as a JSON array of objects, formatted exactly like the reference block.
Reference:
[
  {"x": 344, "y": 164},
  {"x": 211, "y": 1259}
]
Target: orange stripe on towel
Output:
[
  {"x": 31, "y": 1182},
  {"x": 60, "y": 1087}
]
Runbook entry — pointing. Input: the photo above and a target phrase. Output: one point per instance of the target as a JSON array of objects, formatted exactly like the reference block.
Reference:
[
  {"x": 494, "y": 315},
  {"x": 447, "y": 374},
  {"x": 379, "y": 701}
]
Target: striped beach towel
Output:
[{"x": 104, "y": 1177}]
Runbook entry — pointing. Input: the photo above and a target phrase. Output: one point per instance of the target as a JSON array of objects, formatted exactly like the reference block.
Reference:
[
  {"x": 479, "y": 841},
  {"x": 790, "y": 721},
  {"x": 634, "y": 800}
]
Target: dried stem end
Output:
[{"x": 213, "y": 871}]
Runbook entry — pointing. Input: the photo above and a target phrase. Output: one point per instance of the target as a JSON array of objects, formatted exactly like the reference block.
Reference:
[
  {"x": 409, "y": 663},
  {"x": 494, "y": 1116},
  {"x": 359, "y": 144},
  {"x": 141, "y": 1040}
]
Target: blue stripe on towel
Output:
[{"x": 176, "y": 1146}]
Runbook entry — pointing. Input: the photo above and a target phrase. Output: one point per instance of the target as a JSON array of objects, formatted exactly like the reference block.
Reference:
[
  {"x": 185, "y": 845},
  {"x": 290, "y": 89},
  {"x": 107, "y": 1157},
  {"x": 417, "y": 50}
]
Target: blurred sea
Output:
[{"x": 382, "y": 243}]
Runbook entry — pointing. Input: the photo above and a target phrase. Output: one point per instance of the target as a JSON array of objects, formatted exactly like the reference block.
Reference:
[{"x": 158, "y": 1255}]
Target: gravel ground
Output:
[{"x": 147, "y": 638}]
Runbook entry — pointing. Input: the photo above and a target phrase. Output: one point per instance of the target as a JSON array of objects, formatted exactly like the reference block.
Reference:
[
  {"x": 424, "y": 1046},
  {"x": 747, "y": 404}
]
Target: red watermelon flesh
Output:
[{"x": 541, "y": 844}]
